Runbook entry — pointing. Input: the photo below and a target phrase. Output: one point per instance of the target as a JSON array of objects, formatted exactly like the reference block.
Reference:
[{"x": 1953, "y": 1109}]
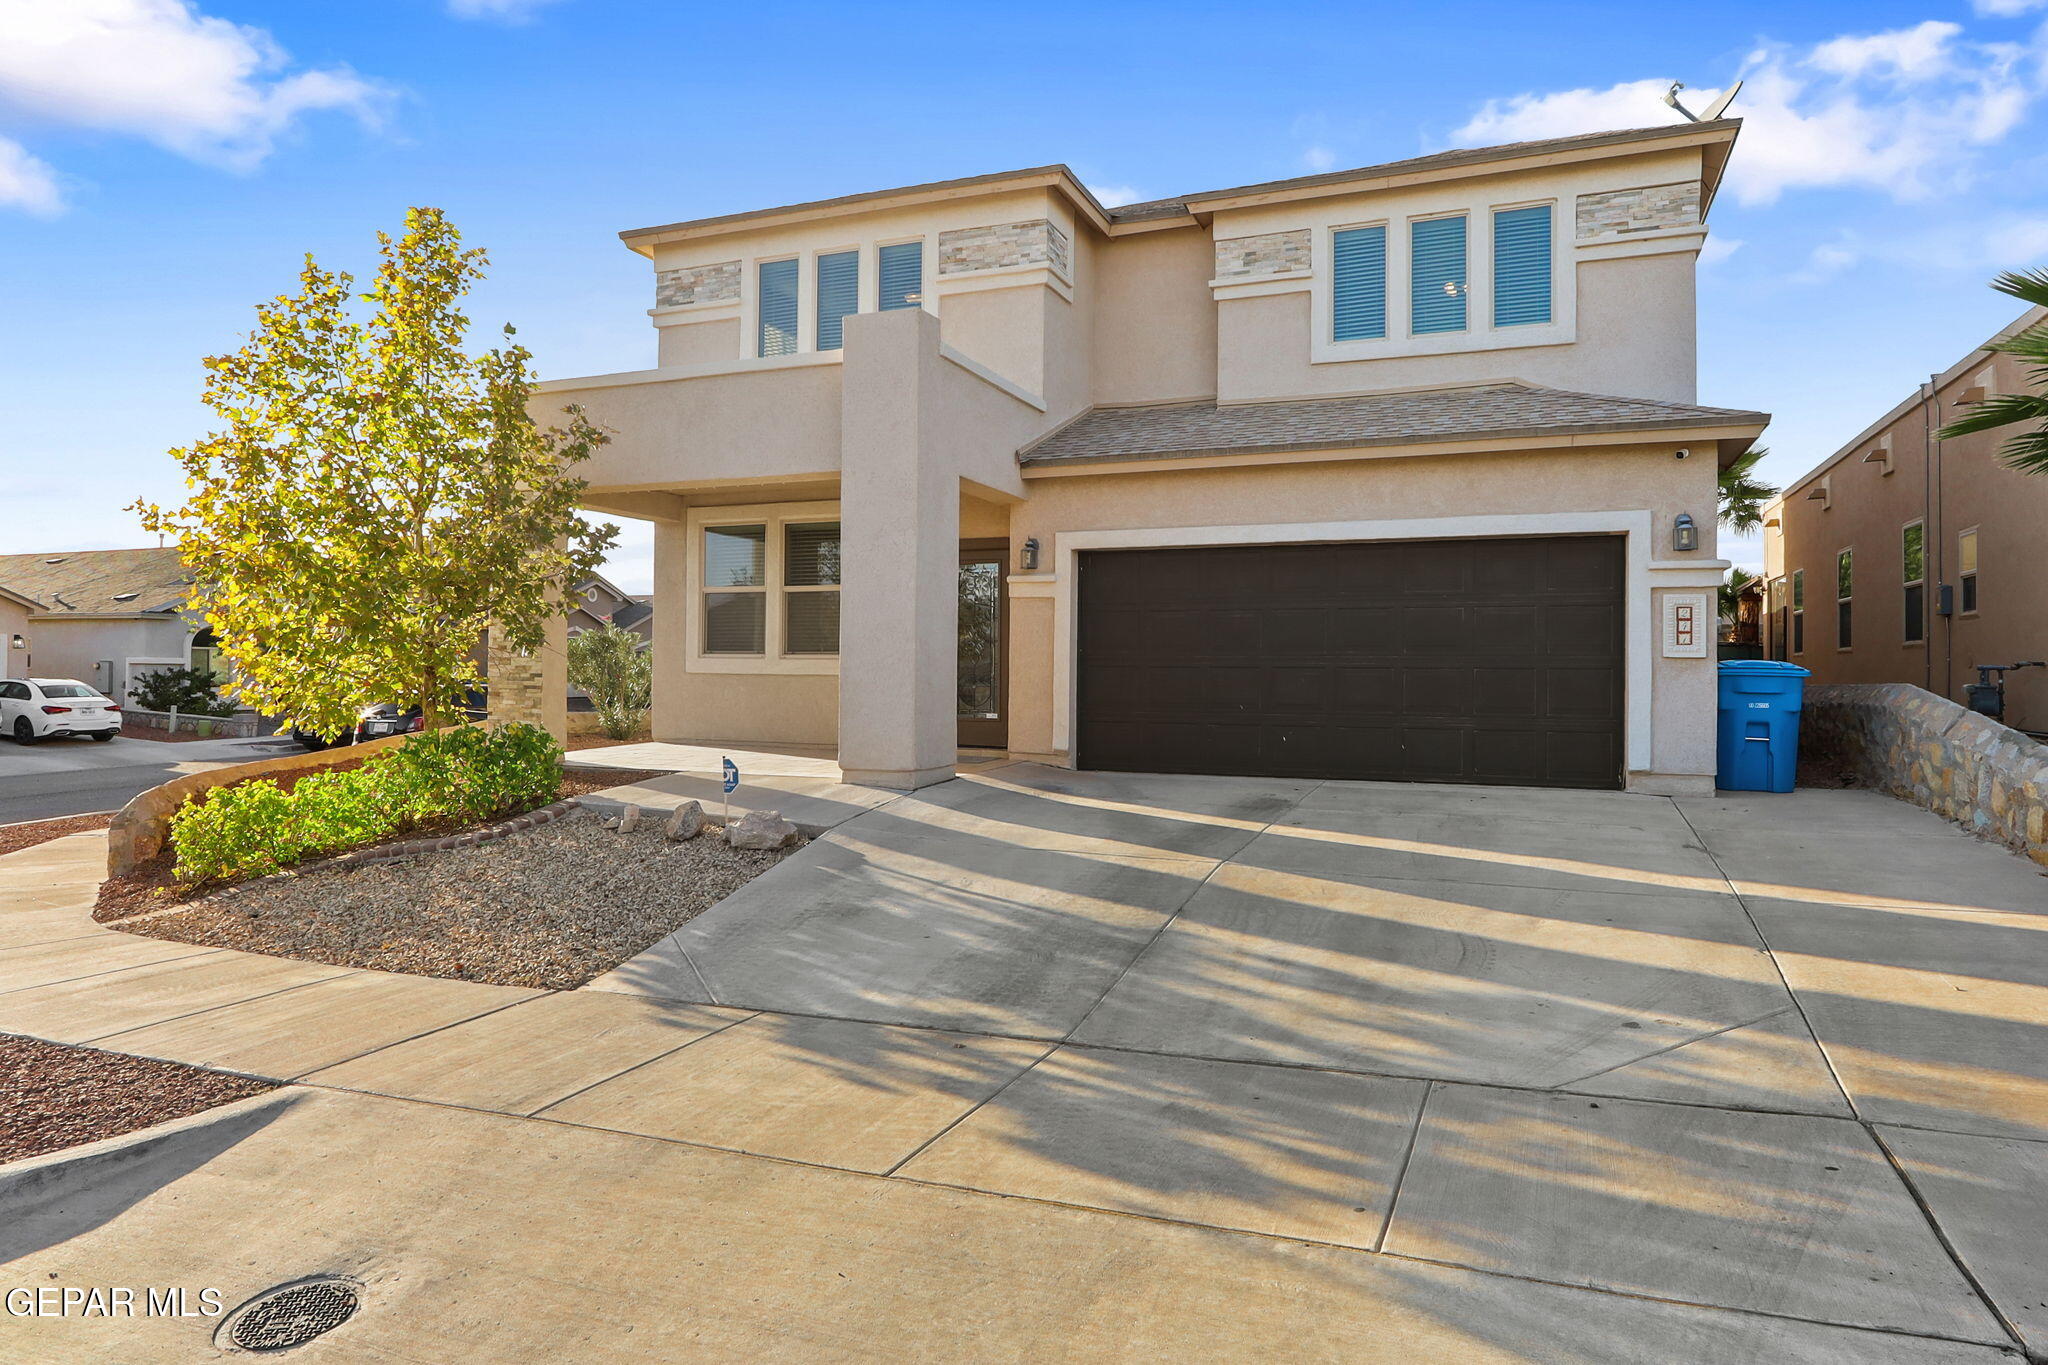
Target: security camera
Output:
[{"x": 1681, "y": 453}]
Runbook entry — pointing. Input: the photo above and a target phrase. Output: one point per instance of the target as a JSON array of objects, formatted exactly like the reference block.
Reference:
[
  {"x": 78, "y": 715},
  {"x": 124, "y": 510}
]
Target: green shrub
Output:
[
  {"x": 460, "y": 775},
  {"x": 190, "y": 691}
]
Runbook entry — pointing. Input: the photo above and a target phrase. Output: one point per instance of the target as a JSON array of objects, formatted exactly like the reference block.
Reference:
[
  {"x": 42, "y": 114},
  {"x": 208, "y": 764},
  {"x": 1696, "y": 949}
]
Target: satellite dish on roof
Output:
[{"x": 1713, "y": 111}]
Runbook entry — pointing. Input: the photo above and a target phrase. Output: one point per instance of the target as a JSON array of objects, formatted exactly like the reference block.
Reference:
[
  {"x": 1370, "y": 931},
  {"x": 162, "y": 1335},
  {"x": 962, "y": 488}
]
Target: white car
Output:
[{"x": 37, "y": 708}]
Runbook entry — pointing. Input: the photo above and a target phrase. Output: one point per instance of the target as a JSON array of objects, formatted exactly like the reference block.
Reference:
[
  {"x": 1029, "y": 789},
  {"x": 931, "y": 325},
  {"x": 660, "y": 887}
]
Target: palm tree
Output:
[
  {"x": 2028, "y": 450},
  {"x": 1731, "y": 594},
  {"x": 1743, "y": 495}
]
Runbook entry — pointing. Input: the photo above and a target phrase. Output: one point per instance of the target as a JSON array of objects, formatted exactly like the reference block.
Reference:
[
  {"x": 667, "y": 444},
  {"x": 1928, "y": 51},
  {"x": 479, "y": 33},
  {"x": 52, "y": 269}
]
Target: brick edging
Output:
[{"x": 490, "y": 834}]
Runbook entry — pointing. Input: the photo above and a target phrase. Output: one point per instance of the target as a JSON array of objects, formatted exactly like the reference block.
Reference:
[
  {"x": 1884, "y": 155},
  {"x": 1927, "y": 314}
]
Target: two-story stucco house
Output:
[{"x": 1387, "y": 473}]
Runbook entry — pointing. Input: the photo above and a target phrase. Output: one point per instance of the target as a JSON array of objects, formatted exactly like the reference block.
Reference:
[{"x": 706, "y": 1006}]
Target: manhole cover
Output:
[{"x": 293, "y": 1316}]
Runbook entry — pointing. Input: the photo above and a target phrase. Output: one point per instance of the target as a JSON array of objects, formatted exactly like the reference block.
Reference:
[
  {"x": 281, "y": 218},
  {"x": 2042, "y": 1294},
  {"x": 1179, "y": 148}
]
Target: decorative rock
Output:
[
  {"x": 761, "y": 829},
  {"x": 686, "y": 823},
  {"x": 629, "y": 821}
]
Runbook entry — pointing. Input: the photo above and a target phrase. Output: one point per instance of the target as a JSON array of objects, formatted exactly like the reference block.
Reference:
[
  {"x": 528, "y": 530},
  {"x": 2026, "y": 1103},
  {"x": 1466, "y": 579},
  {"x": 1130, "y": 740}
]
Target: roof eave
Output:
[
  {"x": 1743, "y": 430},
  {"x": 1720, "y": 134},
  {"x": 1055, "y": 176}
]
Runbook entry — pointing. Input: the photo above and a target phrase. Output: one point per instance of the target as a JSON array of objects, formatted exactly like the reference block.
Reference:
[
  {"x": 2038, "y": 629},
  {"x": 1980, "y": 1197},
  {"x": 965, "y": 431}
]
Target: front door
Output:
[{"x": 984, "y": 641}]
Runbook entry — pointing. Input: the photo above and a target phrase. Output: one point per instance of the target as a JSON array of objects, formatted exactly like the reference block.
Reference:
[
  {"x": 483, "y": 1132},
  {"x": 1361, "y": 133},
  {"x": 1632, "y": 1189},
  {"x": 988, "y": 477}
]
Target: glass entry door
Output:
[{"x": 984, "y": 622}]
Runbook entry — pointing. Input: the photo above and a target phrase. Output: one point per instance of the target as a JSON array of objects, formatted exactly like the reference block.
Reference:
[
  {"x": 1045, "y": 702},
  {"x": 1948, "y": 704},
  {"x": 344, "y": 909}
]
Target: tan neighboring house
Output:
[
  {"x": 1390, "y": 473},
  {"x": 15, "y": 610},
  {"x": 104, "y": 617},
  {"x": 1903, "y": 558}
]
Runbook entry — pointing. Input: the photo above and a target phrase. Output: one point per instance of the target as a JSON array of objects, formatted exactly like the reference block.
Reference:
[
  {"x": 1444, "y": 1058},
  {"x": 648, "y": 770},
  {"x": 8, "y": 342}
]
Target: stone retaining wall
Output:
[{"x": 1990, "y": 779}]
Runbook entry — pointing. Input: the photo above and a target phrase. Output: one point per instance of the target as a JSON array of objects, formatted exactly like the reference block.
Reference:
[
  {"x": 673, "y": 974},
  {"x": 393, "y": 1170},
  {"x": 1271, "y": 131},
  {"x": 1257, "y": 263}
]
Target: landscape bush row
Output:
[{"x": 456, "y": 776}]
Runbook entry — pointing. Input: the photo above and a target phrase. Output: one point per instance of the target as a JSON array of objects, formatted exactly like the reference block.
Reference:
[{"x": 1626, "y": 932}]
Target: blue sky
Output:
[{"x": 165, "y": 163}]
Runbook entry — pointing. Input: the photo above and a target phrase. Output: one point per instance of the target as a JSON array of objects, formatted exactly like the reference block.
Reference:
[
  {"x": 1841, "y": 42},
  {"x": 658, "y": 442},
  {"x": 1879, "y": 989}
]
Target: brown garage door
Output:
[{"x": 1433, "y": 661}]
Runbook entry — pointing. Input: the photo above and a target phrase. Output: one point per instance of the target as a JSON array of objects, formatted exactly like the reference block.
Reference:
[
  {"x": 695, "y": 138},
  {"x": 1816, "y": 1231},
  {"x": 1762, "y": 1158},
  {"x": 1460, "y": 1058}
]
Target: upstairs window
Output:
[
  {"x": 1913, "y": 566},
  {"x": 1359, "y": 297},
  {"x": 778, "y": 308},
  {"x": 1436, "y": 275},
  {"x": 901, "y": 270},
  {"x": 1966, "y": 568},
  {"x": 1845, "y": 585},
  {"x": 1521, "y": 266},
  {"x": 838, "y": 295}
]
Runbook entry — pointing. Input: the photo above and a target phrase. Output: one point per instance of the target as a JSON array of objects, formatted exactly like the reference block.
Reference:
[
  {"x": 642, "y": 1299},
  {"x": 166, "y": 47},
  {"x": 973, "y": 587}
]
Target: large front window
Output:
[{"x": 770, "y": 589}]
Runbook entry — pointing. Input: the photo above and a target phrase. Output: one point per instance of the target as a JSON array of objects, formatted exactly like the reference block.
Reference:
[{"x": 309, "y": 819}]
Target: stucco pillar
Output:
[
  {"x": 531, "y": 687},
  {"x": 900, "y": 513}
]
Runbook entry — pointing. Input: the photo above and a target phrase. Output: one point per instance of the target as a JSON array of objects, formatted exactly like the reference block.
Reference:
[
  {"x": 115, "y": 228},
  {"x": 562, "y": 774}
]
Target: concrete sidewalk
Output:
[{"x": 1051, "y": 1064}]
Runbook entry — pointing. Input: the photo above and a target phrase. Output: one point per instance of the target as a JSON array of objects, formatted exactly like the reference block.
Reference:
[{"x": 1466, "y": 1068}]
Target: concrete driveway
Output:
[{"x": 1042, "y": 1064}]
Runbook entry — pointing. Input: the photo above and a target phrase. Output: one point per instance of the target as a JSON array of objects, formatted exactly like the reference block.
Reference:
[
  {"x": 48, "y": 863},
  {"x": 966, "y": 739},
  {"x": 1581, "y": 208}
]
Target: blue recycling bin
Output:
[{"x": 1759, "y": 733}]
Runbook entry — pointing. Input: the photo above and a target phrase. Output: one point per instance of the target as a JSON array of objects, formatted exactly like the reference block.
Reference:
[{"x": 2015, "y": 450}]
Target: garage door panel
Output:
[
  {"x": 1286, "y": 632},
  {"x": 1454, "y": 661}
]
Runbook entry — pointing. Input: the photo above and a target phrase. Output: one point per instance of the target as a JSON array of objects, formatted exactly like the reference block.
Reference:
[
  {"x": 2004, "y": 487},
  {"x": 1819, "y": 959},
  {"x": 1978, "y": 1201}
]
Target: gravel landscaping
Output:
[
  {"x": 53, "y": 1096},
  {"x": 551, "y": 908}
]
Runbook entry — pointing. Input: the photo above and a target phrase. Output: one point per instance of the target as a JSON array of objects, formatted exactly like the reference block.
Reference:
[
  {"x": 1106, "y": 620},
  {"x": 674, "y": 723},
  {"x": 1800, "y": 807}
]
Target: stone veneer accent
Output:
[
  {"x": 1988, "y": 778},
  {"x": 516, "y": 684},
  {"x": 1034, "y": 242},
  {"x": 1639, "y": 210},
  {"x": 715, "y": 283},
  {"x": 1269, "y": 253}
]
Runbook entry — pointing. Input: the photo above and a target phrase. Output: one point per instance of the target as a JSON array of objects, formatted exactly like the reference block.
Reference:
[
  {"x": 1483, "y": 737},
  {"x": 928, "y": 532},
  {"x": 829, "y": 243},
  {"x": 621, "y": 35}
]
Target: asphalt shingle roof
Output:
[
  {"x": 97, "y": 581},
  {"x": 1489, "y": 412}
]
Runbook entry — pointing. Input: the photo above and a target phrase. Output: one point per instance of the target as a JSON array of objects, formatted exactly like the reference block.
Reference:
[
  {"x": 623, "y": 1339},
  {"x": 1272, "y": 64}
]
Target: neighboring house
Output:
[
  {"x": 1903, "y": 558},
  {"x": 1390, "y": 473},
  {"x": 105, "y": 617},
  {"x": 594, "y": 604},
  {"x": 638, "y": 617},
  {"x": 15, "y": 610}
]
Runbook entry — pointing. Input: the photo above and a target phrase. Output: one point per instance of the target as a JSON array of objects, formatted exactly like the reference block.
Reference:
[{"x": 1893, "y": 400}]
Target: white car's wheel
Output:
[{"x": 24, "y": 733}]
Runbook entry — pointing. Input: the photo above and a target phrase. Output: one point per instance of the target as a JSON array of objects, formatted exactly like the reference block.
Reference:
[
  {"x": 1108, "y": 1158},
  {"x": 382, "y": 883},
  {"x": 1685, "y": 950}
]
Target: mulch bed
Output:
[
  {"x": 53, "y": 1096},
  {"x": 14, "y": 838},
  {"x": 154, "y": 885},
  {"x": 551, "y": 908}
]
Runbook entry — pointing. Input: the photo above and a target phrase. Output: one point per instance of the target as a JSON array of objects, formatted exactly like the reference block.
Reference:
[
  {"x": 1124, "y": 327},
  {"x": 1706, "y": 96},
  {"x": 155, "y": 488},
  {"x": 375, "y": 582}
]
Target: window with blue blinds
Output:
[
  {"x": 902, "y": 272},
  {"x": 838, "y": 295},
  {"x": 778, "y": 308},
  {"x": 1359, "y": 283},
  {"x": 1436, "y": 275},
  {"x": 1521, "y": 266}
]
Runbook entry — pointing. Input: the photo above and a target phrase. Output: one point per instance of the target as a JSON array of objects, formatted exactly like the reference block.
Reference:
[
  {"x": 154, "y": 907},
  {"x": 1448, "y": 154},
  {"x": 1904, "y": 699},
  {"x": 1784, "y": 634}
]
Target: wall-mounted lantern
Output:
[
  {"x": 1685, "y": 533},
  {"x": 18, "y": 642},
  {"x": 1028, "y": 558}
]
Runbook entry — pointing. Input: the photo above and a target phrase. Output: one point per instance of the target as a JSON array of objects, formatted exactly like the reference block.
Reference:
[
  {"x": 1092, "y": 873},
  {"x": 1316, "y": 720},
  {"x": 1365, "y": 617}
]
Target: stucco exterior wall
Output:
[
  {"x": 73, "y": 649},
  {"x": 1953, "y": 486},
  {"x": 14, "y": 663},
  {"x": 1155, "y": 323}
]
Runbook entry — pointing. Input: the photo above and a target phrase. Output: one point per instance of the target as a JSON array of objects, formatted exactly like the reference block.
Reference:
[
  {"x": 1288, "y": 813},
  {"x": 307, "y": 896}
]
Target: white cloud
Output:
[
  {"x": 1718, "y": 249},
  {"x": 203, "y": 87},
  {"x": 1900, "y": 112},
  {"x": 1109, "y": 196},
  {"x": 1319, "y": 158},
  {"x": 506, "y": 11},
  {"x": 2006, "y": 9},
  {"x": 27, "y": 183}
]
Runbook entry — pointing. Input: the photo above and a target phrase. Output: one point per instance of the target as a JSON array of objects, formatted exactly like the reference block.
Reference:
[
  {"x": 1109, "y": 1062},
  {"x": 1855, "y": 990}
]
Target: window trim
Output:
[
  {"x": 1906, "y": 586},
  {"x": 1845, "y": 602},
  {"x": 773, "y": 658},
  {"x": 1493, "y": 276},
  {"x": 1971, "y": 575}
]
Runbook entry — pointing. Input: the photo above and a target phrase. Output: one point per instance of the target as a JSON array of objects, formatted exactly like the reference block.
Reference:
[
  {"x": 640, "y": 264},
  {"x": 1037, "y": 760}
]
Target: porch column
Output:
[
  {"x": 534, "y": 687},
  {"x": 900, "y": 519}
]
